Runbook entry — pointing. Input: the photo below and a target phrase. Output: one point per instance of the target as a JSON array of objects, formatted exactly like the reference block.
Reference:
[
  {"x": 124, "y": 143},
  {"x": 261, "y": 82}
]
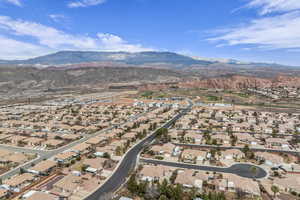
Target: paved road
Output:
[
  {"x": 249, "y": 132},
  {"x": 20, "y": 149},
  {"x": 234, "y": 147},
  {"x": 43, "y": 155},
  {"x": 243, "y": 170},
  {"x": 128, "y": 163}
]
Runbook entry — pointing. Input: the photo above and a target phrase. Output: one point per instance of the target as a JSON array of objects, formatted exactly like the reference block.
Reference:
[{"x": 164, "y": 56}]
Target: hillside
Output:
[
  {"x": 36, "y": 78},
  {"x": 237, "y": 82},
  {"x": 77, "y": 68},
  {"x": 142, "y": 58}
]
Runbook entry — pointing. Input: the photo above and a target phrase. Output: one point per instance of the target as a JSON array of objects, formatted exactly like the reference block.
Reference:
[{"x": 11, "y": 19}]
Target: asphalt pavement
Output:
[
  {"x": 235, "y": 147},
  {"x": 46, "y": 154},
  {"x": 243, "y": 170},
  {"x": 128, "y": 163}
]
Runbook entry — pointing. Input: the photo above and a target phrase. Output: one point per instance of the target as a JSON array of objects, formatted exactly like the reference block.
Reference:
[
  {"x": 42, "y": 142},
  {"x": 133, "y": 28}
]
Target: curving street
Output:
[
  {"x": 128, "y": 163},
  {"x": 243, "y": 170}
]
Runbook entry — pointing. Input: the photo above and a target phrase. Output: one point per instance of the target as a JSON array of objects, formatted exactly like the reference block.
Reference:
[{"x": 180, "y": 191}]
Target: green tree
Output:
[
  {"x": 106, "y": 155},
  {"x": 246, "y": 149},
  {"x": 213, "y": 153},
  {"x": 275, "y": 189},
  {"x": 119, "y": 151},
  {"x": 254, "y": 171},
  {"x": 142, "y": 188},
  {"x": 163, "y": 187},
  {"x": 177, "y": 192},
  {"x": 132, "y": 185},
  {"x": 163, "y": 197}
]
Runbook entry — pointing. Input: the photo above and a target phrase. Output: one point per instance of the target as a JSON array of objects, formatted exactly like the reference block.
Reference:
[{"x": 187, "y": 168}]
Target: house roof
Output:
[
  {"x": 44, "y": 166},
  {"x": 68, "y": 183},
  {"x": 189, "y": 177},
  {"x": 42, "y": 195},
  {"x": 245, "y": 184},
  {"x": 81, "y": 147},
  {"x": 96, "y": 163},
  {"x": 193, "y": 152},
  {"x": 277, "y": 140},
  {"x": 53, "y": 142},
  {"x": 19, "y": 179},
  {"x": 16, "y": 157},
  {"x": 166, "y": 148},
  {"x": 290, "y": 181},
  {"x": 276, "y": 159},
  {"x": 4, "y": 153},
  {"x": 156, "y": 171},
  {"x": 65, "y": 155},
  {"x": 94, "y": 140},
  {"x": 233, "y": 152}
]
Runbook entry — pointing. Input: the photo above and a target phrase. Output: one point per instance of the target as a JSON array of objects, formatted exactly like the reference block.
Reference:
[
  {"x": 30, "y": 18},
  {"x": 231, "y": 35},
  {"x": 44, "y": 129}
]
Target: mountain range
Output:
[
  {"x": 133, "y": 59},
  {"x": 141, "y": 58},
  {"x": 81, "y": 68}
]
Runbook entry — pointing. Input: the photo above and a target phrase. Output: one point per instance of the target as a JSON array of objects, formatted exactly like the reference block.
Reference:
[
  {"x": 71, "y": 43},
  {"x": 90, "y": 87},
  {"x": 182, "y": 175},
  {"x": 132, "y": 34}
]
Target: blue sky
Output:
[{"x": 247, "y": 30}]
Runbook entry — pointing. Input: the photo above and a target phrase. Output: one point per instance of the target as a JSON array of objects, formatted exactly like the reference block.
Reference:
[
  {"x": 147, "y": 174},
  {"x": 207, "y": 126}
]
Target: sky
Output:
[{"x": 246, "y": 30}]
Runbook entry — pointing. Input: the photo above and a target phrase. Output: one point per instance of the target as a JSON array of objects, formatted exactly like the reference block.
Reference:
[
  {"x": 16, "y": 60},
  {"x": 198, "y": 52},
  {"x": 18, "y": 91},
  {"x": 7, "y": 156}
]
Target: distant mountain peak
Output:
[
  {"x": 140, "y": 58},
  {"x": 144, "y": 59}
]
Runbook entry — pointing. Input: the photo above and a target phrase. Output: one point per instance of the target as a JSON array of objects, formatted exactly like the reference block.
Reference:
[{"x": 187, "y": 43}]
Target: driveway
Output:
[{"x": 128, "y": 163}]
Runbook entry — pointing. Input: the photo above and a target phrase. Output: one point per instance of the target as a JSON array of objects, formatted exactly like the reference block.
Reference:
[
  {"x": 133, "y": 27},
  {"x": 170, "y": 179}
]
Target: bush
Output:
[{"x": 159, "y": 157}]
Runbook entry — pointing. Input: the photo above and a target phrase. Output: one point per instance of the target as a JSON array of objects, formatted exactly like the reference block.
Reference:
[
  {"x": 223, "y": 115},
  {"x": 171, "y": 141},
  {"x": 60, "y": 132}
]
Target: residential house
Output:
[
  {"x": 235, "y": 183},
  {"x": 81, "y": 148},
  {"x": 232, "y": 154},
  {"x": 38, "y": 195},
  {"x": 246, "y": 138},
  {"x": 289, "y": 183},
  {"x": 95, "y": 141},
  {"x": 33, "y": 141},
  {"x": 16, "y": 183},
  {"x": 273, "y": 160},
  {"x": 193, "y": 137},
  {"x": 192, "y": 155},
  {"x": 277, "y": 142},
  {"x": 166, "y": 150},
  {"x": 129, "y": 136},
  {"x": 68, "y": 185},
  {"x": 94, "y": 165},
  {"x": 66, "y": 157},
  {"x": 43, "y": 168},
  {"x": 17, "y": 140},
  {"x": 191, "y": 178},
  {"x": 221, "y": 138},
  {"x": 17, "y": 158},
  {"x": 53, "y": 143},
  {"x": 155, "y": 173}
]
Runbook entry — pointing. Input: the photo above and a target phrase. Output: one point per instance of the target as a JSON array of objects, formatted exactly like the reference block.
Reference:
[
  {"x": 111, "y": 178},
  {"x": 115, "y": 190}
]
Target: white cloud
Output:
[
  {"x": 85, "y": 3},
  {"x": 115, "y": 43},
  {"x": 15, "y": 2},
  {"x": 46, "y": 37},
  {"x": 270, "y": 32},
  {"x": 19, "y": 50},
  {"x": 270, "y": 6},
  {"x": 57, "y": 17},
  {"x": 277, "y": 31}
]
